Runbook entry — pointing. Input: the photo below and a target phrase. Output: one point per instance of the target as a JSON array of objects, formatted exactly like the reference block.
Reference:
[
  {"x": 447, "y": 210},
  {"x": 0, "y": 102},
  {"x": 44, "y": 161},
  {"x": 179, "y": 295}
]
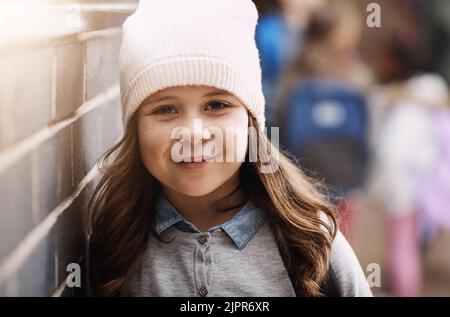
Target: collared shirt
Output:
[
  {"x": 238, "y": 258},
  {"x": 241, "y": 228}
]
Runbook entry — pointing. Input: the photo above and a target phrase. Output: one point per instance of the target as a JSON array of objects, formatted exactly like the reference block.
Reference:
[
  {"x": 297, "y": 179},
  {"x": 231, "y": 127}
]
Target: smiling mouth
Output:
[
  {"x": 196, "y": 160},
  {"x": 192, "y": 165},
  {"x": 195, "y": 163}
]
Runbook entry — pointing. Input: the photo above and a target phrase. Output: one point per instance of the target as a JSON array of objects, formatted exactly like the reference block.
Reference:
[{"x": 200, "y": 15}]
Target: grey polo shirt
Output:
[{"x": 237, "y": 258}]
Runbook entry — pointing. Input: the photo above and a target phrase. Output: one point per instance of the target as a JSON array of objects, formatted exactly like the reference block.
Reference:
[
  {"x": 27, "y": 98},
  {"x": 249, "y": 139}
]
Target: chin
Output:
[{"x": 195, "y": 188}]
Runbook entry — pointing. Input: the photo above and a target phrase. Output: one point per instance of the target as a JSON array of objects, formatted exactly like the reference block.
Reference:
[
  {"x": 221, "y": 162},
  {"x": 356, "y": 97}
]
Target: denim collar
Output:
[{"x": 241, "y": 228}]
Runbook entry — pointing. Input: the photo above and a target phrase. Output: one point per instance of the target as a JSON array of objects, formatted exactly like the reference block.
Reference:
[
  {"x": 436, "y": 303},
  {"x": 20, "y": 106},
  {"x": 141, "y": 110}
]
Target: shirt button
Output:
[
  {"x": 203, "y": 291},
  {"x": 203, "y": 238}
]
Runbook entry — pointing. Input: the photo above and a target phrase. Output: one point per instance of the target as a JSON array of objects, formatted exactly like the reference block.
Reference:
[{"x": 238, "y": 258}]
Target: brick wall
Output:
[{"x": 59, "y": 111}]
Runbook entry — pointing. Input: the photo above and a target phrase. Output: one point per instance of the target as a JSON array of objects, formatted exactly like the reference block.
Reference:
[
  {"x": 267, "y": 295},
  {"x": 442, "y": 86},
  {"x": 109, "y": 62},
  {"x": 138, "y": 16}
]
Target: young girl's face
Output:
[{"x": 162, "y": 114}]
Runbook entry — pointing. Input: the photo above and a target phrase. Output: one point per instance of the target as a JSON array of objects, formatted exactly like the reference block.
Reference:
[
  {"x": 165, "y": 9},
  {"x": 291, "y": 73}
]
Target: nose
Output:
[{"x": 194, "y": 134}]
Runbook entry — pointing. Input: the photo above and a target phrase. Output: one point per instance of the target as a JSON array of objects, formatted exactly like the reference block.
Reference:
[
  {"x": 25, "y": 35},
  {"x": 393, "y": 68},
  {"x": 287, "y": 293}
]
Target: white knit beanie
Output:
[{"x": 169, "y": 43}]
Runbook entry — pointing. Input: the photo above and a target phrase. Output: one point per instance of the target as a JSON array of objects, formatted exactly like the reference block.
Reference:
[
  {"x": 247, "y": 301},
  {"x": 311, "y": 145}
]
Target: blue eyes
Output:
[
  {"x": 215, "y": 106},
  {"x": 165, "y": 110},
  {"x": 211, "y": 107}
]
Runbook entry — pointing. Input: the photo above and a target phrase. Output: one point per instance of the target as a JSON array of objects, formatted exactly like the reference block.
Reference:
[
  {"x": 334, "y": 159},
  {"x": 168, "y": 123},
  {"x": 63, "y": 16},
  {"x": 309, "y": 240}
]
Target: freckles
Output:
[
  {"x": 238, "y": 120},
  {"x": 235, "y": 140},
  {"x": 151, "y": 133},
  {"x": 154, "y": 140},
  {"x": 146, "y": 138},
  {"x": 241, "y": 118}
]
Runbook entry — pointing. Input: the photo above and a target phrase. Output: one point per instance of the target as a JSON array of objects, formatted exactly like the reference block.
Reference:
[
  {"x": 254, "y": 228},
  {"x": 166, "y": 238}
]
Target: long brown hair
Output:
[{"x": 120, "y": 216}]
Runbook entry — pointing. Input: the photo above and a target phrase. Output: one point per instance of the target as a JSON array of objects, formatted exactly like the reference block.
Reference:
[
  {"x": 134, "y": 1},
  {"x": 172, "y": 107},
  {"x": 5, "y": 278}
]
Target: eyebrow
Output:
[
  {"x": 164, "y": 98},
  {"x": 219, "y": 93}
]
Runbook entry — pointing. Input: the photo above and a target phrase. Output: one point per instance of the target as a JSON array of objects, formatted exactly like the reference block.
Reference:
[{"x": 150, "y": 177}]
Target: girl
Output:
[{"x": 165, "y": 222}]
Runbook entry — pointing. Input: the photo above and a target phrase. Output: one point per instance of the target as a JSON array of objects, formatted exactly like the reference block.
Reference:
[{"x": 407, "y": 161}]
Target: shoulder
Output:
[{"x": 346, "y": 271}]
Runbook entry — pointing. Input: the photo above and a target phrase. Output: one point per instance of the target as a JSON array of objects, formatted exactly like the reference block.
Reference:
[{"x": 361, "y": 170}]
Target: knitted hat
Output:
[{"x": 169, "y": 43}]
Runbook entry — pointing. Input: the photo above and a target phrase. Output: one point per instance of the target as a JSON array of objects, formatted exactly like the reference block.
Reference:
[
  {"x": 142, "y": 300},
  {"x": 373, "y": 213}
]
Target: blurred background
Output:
[{"x": 359, "y": 89}]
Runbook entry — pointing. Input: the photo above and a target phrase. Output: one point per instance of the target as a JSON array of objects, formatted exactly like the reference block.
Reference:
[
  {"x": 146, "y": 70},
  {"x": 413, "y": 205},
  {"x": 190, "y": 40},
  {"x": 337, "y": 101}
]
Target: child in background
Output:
[
  {"x": 322, "y": 108},
  {"x": 412, "y": 178},
  {"x": 279, "y": 37}
]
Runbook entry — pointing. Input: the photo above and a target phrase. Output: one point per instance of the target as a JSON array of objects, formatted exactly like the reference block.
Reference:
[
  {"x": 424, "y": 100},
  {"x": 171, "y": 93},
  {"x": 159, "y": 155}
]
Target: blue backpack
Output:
[{"x": 325, "y": 127}]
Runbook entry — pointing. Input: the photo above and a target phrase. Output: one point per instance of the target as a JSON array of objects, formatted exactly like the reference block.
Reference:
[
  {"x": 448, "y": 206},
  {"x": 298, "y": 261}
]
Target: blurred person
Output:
[
  {"x": 330, "y": 48},
  {"x": 434, "y": 187},
  {"x": 279, "y": 37},
  {"x": 412, "y": 177},
  {"x": 322, "y": 108},
  {"x": 405, "y": 48}
]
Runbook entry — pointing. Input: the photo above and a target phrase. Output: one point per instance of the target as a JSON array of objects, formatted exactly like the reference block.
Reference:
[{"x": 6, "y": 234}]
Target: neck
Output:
[{"x": 212, "y": 209}]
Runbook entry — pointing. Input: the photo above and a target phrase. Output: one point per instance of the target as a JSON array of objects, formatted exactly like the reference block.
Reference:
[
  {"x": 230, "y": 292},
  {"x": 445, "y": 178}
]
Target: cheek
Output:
[
  {"x": 236, "y": 139},
  {"x": 153, "y": 144}
]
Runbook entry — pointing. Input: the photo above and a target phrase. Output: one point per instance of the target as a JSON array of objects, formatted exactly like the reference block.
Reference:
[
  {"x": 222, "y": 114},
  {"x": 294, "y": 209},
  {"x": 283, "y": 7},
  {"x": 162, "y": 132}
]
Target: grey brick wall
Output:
[{"x": 59, "y": 111}]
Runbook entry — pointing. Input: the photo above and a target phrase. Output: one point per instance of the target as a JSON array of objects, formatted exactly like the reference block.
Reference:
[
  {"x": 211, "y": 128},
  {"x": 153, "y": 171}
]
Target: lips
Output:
[
  {"x": 192, "y": 165},
  {"x": 197, "y": 159}
]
